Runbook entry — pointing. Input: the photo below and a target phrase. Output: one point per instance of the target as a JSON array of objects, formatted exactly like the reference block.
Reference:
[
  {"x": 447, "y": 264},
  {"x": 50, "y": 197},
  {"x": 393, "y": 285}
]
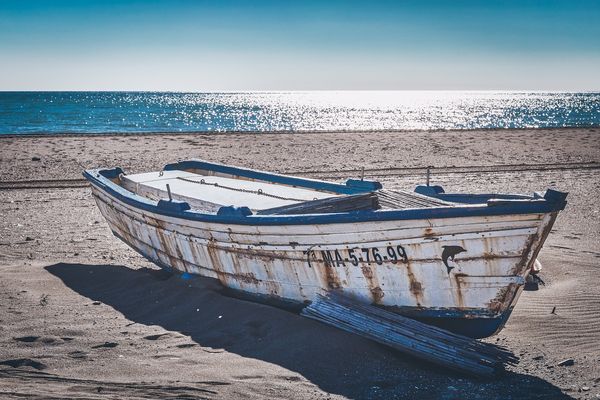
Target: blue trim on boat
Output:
[
  {"x": 351, "y": 187},
  {"x": 174, "y": 205},
  {"x": 475, "y": 323},
  {"x": 472, "y": 327},
  {"x": 552, "y": 196},
  {"x": 234, "y": 211},
  {"x": 364, "y": 185},
  {"x": 101, "y": 179},
  {"x": 112, "y": 173}
]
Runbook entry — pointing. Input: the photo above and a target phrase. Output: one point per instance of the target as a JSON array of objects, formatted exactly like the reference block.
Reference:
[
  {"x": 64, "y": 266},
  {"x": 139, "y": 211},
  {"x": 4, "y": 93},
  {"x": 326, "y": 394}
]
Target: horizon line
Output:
[{"x": 300, "y": 91}]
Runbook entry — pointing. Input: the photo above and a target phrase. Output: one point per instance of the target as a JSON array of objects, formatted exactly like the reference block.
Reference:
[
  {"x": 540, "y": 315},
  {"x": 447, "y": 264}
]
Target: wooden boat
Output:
[{"x": 455, "y": 260}]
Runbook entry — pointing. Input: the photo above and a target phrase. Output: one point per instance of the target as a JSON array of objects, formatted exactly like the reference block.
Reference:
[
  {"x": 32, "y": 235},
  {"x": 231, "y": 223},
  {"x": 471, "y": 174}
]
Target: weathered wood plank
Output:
[{"x": 409, "y": 336}]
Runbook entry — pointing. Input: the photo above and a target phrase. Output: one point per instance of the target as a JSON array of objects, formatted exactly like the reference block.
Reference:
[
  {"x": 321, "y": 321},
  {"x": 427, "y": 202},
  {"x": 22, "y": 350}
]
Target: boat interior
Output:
[{"x": 207, "y": 191}]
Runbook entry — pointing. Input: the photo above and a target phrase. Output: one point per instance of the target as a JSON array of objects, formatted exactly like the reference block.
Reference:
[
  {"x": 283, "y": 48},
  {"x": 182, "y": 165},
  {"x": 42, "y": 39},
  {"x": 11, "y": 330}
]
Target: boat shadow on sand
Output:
[{"x": 336, "y": 361}]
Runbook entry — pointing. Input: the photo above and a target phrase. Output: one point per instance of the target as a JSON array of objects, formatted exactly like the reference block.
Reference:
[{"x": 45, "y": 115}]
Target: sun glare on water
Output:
[{"x": 293, "y": 111}]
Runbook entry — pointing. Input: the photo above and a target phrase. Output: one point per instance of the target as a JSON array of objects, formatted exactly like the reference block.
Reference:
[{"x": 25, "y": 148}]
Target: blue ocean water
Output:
[{"x": 108, "y": 112}]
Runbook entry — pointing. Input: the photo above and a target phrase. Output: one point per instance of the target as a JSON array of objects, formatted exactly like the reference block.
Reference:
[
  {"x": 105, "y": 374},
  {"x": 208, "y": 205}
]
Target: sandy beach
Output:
[{"x": 83, "y": 316}]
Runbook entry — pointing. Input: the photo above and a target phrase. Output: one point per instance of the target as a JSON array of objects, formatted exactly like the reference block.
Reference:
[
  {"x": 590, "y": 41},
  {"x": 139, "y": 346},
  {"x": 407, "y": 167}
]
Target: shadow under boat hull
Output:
[{"x": 402, "y": 265}]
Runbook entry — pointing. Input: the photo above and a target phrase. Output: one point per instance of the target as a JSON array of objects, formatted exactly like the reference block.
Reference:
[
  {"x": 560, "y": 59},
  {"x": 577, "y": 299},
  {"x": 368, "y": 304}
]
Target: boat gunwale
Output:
[
  {"x": 101, "y": 179},
  {"x": 352, "y": 186}
]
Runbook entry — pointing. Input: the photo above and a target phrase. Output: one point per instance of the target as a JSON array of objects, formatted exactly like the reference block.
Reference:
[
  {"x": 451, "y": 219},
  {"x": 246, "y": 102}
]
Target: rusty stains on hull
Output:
[
  {"x": 429, "y": 233},
  {"x": 460, "y": 301},
  {"x": 271, "y": 285},
  {"x": 415, "y": 287},
  {"x": 216, "y": 263},
  {"x": 534, "y": 245},
  {"x": 247, "y": 277},
  {"x": 330, "y": 275},
  {"x": 503, "y": 298},
  {"x": 372, "y": 282},
  {"x": 166, "y": 245}
]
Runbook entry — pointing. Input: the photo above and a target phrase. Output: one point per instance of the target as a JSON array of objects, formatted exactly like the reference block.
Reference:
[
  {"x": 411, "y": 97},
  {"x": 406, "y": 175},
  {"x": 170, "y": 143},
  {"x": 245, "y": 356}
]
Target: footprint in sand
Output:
[
  {"x": 291, "y": 378},
  {"x": 78, "y": 354},
  {"x": 158, "y": 336},
  {"x": 41, "y": 339},
  {"x": 248, "y": 377},
  {"x": 210, "y": 350},
  {"x": 26, "y": 339},
  {"x": 107, "y": 345},
  {"x": 561, "y": 247},
  {"x": 24, "y": 362},
  {"x": 186, "y": 345},
  {"x": 169, "y": 356}
]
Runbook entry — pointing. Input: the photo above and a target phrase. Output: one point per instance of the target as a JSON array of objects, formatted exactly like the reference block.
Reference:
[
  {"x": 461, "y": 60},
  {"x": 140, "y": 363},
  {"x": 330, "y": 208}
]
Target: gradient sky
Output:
[{"x": 199, "y": 45}]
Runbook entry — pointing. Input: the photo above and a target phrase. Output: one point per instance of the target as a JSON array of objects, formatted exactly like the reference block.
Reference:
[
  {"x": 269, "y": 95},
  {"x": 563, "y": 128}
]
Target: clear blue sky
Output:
[{"x": 300, "y": 45}]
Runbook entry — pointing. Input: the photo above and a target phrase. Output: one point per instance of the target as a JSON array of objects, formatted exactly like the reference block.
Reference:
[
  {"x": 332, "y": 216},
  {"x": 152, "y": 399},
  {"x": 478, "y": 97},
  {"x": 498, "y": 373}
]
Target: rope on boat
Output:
[{"x": 259, "y": 191}]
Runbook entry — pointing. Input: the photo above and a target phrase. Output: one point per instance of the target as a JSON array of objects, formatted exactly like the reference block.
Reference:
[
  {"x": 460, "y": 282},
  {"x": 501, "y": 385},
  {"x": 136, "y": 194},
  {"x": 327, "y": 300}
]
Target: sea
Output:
[{"x": 56, "y": 113}]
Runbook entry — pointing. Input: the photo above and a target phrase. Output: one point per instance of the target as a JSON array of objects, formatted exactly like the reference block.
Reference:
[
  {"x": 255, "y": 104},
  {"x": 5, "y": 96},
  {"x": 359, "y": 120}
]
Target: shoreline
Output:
[{"x": 593, "y": 128}]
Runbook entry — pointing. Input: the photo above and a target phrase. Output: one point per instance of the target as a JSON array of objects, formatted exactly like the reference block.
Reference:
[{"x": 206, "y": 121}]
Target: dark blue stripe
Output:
[
  {"x": 538, "y": 206},
  {"x": 472, "y": 327}
]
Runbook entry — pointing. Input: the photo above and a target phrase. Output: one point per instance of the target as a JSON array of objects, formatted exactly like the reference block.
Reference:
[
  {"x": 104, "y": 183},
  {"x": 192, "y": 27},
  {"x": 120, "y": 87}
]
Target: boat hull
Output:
[{"x": 462, "y": 273}]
